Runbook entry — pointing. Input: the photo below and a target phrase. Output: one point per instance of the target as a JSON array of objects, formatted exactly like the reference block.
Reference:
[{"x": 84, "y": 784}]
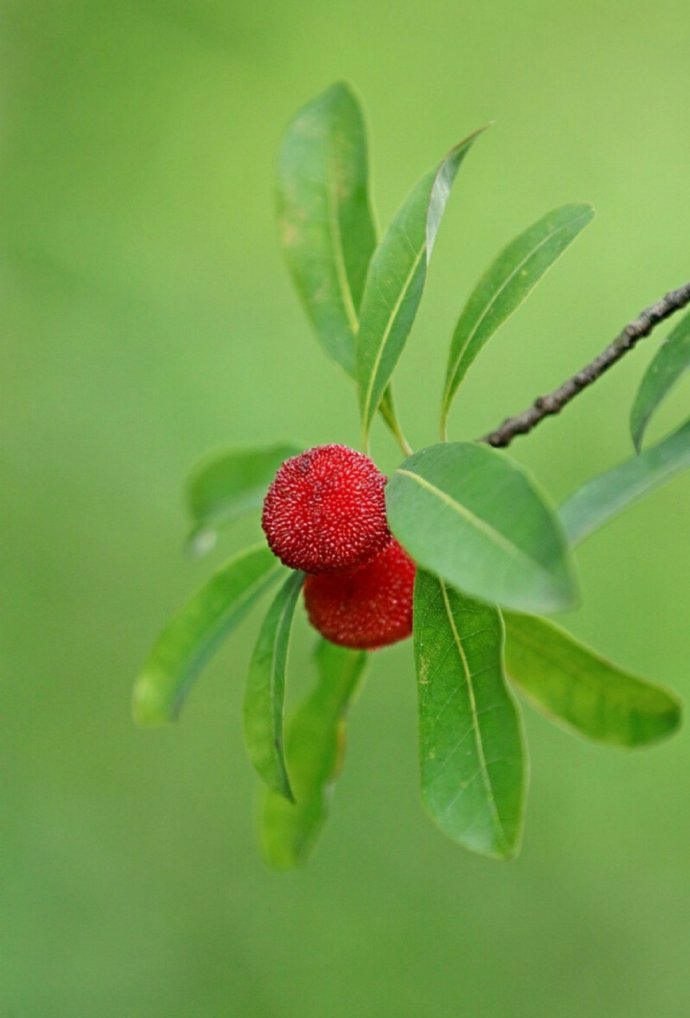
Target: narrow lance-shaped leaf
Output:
[
  {"x": 324, "y": 216},
  {"x": 326, "y": 224},
  {"x": 472, "y": 754},
  {"x": 227, "y": 484},
  {"x": 596, "y": 502},
  {"x": 315, "y": 747},
  {"x": 671, "y": 361},
  {"x": 471, "y": 515},
  {"x": 505, "y": 285},
  {"x": 189, "y": 639},
  {"x": 264, "y": 699},
  {"x": 571, "y": 684},
  {"x": 395, "y": 280}
]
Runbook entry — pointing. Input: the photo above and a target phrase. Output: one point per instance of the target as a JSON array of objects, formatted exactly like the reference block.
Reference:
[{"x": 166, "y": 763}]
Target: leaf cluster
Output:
[{"x": 494, "y": 554}]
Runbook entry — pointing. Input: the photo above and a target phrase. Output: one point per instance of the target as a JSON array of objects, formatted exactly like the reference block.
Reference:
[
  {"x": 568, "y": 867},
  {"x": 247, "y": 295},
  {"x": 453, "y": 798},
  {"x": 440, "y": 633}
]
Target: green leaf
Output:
[
  {"x": 228, "y": 483},
  {"x": 264, "y": 699},
  {"x": 505, "y": 285},
  {"x": 325, "y": 222},
  {"x": 474, "y": 517},
  {"x": 571, "y": 684},
  {"x": 396, "y": 280},
  {"x": 315, "y": 748},
  {"x": 472, "y": 754},
  {"x": 194, "y": 633},
  {"x": 324, "y": 217},
  {"x": 596, "y": 502},
  {"x": 671, "y": 361}
]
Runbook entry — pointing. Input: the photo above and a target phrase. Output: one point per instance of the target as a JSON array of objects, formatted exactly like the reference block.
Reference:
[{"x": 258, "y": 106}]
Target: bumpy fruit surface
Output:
[
  {"x": 326, "y": 510},
  {"x": 365, "y": 608}
]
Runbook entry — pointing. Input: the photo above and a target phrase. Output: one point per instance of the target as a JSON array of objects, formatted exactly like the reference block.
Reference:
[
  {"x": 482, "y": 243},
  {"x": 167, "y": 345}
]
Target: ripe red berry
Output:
[
  {"x": 326, "y": 510},
  {"x": 367, "y": 607}
]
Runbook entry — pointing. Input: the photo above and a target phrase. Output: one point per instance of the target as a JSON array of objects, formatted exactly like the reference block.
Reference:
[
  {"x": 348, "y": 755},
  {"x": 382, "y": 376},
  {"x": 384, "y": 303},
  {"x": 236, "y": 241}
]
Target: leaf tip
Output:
[
  {"x": 281, "y": 784},
  {"x": 675, "y": 720},
  {"x": 339, "y": 91},
  {"x": 200, "y": 541},
  {"x": 674, "y": 715},
  {"x": 637, "y": 429},
  {"x": 566, "y": 596},
  {"x": 148, "y": 710},
  {"x": 342, "y": 86},
  {"x": 510, "y": 853}
]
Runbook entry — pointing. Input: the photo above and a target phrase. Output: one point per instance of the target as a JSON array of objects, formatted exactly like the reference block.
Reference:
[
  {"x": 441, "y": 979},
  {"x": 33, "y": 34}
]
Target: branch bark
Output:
[{"x": 553, "y": 403}]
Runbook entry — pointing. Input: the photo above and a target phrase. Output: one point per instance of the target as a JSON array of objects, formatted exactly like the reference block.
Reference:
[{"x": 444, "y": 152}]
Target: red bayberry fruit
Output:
[
  {"x": 326, "y": 510},
  {"x": 367, "y": 607}
]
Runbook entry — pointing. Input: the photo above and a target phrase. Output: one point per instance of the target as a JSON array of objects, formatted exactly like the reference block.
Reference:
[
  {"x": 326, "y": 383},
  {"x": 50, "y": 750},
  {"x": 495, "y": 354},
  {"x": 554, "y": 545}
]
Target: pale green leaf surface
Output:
[
  {"x": 670, "y": 362},
  {"x": 315, "y": 745},
  {"x": 324, "y": 216},
  {"x": 264, "y": 700},
  {"x": 230, "y": 482},
  {"x": 597, "y": 501},
  {"x": 192, "y": 635},
  {"x": 395, "y": 280},
  {"x": 571, "y": 684},
  {"x": 472, "y": 754},
  {"x": 505, "y": 285},
  {"x": 473, "y": 516}
]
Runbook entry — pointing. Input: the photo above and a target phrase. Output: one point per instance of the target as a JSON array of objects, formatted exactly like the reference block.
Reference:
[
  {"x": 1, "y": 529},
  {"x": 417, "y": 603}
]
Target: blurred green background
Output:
[{"x": 146, "y": 317}]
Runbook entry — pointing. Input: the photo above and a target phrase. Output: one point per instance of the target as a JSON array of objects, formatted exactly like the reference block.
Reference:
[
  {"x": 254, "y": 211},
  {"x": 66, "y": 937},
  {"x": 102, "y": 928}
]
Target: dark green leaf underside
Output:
[
  {"x": 265, "y": 692},
  {"x": 573, "y": 685},
  {"x": 471, "y": 745},
  {"x": 671, "y": 361},
  {"x": 315, "y": 746},
  {"x": 195, "y": 632},
  {"x": 473, "y": 516},
  {"x": 596, "y": 502}
]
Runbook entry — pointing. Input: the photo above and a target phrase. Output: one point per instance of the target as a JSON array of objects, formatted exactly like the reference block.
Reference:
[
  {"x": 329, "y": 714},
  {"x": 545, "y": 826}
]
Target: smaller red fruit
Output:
[
  {"x": 367, "y": 607},
  {"x": 326, "y": 510}
]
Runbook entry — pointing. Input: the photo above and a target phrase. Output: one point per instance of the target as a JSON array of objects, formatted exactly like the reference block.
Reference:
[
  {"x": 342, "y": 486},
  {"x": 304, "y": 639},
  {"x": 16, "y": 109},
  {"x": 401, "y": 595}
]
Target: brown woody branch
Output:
[{"x": 546, "y": 406}]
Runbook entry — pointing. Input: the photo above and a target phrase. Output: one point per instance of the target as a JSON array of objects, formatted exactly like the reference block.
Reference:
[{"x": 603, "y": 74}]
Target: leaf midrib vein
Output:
[
  {"x": 481, "y": 757},
  {"x": 481, "y": 525},
  {"x": 492, "y": 302},
  {"x": 366, "y": 414},
  {"x": 278, "y": 670},
  {"x": 339, "y": 254}
]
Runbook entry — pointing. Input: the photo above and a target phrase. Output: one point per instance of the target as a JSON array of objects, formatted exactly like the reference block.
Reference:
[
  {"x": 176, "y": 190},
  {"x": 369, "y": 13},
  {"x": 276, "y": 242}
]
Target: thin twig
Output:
[{"x": 545, "y": 406}]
